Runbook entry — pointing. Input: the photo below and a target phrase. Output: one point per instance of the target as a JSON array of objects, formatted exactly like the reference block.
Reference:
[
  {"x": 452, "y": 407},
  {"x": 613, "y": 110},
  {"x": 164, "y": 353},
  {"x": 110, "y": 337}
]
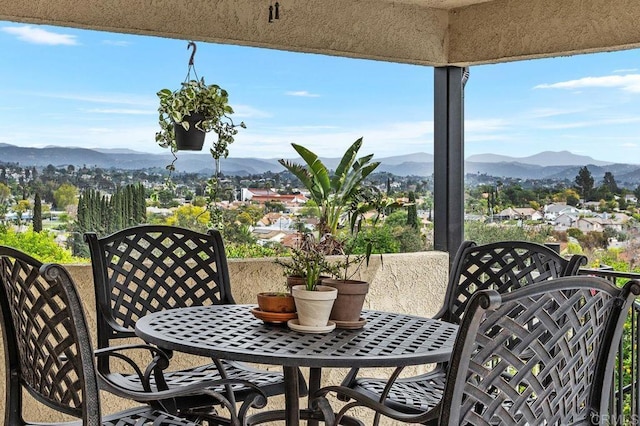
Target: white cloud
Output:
[
  {"x": 36, "y": 35},
  {"x": 246, "y": 111},
  {"x": 590, "y": 123},
  {"x": 104, "y": 98},
  {"x": 628, "y": 83},
  {"x": 625, "y": 70},
  {"x": 121, "y": 111},
  {"x": 302, "y": 93}
]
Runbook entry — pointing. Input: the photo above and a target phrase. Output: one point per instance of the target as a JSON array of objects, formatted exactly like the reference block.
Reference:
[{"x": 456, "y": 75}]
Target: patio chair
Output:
[
  {"x": 48, "y": 352},
  {"x": 542, "y": 353},
  {"x": 148, "y": 268},
  {"x": 502, "y": 266}
]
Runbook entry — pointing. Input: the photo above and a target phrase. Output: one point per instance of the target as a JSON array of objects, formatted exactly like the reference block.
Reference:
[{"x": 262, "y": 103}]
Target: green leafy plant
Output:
[
  {"x": 195, "y": 97},
  {"x": 308, "y": 260},
  {"x": 333, "y": 194},
  {"x": 208, "y": 106}
]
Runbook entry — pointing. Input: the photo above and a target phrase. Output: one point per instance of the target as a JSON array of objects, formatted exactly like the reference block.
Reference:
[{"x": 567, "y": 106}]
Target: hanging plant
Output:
[
  {"x": 197, "y": 107},
  {"x": 192, "y": 111}
]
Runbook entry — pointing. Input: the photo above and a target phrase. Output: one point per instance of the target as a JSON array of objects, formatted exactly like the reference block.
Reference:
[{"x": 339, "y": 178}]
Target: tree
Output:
[
  {"x": 584, "y": 182},
  {"x": 65, "y": 195},
  {"x": 21, "y": 207},
  {"x": 37, "y": 213},
  {"x": 5, "y": 193},
  {"x": 412, "y": 211},
  {"x": 609, "y": 182}
]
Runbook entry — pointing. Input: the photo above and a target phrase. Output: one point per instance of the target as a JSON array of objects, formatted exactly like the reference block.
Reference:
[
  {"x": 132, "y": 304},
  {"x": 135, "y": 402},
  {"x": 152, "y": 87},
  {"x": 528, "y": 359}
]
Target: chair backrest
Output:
[
  {"x": 541, "y": 352},
  {"x": 148, "y": 268},
  {"x": 501, "y": 266},
  {"x": 46, "y": 340}
]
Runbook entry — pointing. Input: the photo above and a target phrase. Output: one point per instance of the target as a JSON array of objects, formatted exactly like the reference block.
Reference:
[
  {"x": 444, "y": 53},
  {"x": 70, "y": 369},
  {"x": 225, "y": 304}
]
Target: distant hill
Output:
[
  {"x": 551, "y": 165},
  {"x": 546, "y": 158}
]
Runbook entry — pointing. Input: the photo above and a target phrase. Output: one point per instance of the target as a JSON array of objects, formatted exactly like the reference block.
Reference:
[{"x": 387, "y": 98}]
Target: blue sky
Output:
[{"x": 68, "y": 87}]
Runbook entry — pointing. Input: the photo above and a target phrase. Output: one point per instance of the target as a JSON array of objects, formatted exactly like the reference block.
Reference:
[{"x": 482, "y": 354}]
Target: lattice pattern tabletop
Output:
[{"x": 232, "y": 332}]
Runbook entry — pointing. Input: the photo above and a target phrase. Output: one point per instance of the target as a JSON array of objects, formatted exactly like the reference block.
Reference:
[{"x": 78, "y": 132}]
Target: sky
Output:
[{"x": 70, "y": 87}]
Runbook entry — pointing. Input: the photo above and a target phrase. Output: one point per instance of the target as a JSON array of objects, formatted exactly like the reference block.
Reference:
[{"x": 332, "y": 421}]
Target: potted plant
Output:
[
  {"x": 342, "y": 197},
  {"x": 275, "y": 307},
  {"x": 313, "y": 301},
  {"x": 307, "y": 264},
  {"x": 187, "y": 114},
  {"x": 335, "y": 193}
]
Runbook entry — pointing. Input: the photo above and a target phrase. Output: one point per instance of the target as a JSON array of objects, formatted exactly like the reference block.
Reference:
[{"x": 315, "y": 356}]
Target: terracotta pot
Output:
[
  {"x": 276, "y": 302},
  {"x": 314, "y": 307},
  {"x": 351, "y": 295}
]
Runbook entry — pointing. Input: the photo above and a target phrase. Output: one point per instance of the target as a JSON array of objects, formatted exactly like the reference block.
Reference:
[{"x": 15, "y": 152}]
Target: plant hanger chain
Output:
[{"x": 192, "y": 66}]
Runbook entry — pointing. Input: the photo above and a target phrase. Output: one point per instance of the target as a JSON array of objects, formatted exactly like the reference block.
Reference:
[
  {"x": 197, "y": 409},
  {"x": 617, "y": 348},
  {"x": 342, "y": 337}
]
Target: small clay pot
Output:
[{"x": 276, "y": 302}]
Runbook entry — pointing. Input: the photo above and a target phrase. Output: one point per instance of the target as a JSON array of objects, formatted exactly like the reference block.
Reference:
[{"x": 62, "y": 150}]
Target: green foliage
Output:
[
  {"x": 190, "y": 217},
  {"x": 40, "y": 245},
  {"x": 65, "y": 195},
  {"x": 396, "y": 219},
  {"x": 105, "y": 215},
  {"x": 412, "y": 211},
  {"x": 380, "y": 239},
  {"x": 575, "y": 233},
  {"x": 234, "y": 250},
  {"x": 574, "y": 248},
  {"x": 584, "y": 182},
  {"x": 333, "y": 194},
  {"x": 309, "y": 261},
  {"x": 484, "y": 233},
  {"x": 196, "y": 97}
]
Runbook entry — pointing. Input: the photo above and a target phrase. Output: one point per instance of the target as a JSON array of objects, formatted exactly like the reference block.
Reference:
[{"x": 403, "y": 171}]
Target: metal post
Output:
[{"x": 448, "y": 167}]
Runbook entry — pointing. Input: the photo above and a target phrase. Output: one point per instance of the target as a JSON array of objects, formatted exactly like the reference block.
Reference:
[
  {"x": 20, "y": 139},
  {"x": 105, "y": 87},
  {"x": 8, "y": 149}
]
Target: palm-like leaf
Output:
[
  {"x": 345, "y": 165},
  {"x": 333, "y": 194}
]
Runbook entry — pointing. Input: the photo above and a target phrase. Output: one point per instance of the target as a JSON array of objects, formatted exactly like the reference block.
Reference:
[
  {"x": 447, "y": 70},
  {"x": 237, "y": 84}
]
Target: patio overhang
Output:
[{"x": 426, "y": 32}]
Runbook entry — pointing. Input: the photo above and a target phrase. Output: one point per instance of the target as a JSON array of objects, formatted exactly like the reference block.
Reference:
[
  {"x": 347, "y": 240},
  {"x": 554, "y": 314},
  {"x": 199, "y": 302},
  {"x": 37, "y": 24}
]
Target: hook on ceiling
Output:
[{"x": 274, "y": 12}]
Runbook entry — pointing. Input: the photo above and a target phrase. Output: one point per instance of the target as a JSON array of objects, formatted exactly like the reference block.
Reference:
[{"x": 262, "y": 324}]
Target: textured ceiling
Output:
[{"x": 427, "y": 32}]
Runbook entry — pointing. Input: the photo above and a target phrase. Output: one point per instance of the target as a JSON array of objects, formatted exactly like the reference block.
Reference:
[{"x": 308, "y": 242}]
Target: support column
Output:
[{"x": 448, "y": 168}]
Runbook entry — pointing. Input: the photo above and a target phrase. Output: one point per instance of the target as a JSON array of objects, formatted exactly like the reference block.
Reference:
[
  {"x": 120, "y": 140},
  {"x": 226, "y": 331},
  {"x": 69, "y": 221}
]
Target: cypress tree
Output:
[
  {"x": 37, "y": 213},
  {"x": 412, "y": 211}
]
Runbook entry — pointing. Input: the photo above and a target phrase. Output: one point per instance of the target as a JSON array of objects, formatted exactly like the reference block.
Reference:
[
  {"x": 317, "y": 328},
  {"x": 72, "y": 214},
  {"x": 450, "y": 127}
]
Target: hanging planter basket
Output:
[{"x": 192, "y": 139}]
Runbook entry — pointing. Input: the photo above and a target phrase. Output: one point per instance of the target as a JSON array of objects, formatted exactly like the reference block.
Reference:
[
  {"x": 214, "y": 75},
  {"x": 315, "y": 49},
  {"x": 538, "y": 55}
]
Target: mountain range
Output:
[{"x": 548, "y": 164}]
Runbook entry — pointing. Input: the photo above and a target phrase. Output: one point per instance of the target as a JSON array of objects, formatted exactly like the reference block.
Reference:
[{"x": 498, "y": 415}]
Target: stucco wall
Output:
[{"x": 409, "y": 283}]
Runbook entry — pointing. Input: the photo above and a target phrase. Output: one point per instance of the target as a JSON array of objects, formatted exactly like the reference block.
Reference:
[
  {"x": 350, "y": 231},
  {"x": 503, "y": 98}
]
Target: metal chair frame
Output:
[
  {"x": 147, "y": 268},
  {"x": 48, "y": 352},
  {"x": 502, "y": 266},
  {"x": 543, "y": 352}
]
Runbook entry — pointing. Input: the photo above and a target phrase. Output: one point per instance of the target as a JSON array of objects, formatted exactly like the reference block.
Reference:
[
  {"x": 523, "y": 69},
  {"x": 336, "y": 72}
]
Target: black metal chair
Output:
[
  {"x": 148, "y": 268},
  {"x": 48, "y": 351},
  {"x": 501, "y": 266},
  {"x": 541, "y": 354}
]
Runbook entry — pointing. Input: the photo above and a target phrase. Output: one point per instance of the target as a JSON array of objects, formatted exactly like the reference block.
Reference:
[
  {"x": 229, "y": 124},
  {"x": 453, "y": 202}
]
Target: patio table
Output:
[{"x": 232, "y": 332}]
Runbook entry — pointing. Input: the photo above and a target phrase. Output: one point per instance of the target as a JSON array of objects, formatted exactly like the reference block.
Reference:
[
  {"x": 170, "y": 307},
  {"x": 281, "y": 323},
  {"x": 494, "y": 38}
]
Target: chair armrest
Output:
[
  {"x": 359, "y": 400},
  {"x": 159, "y": 362}
]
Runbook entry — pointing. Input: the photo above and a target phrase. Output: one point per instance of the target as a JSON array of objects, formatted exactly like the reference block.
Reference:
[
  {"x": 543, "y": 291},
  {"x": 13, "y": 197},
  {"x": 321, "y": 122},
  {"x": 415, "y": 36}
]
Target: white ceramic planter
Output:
[{"x": 314, "y": 307}]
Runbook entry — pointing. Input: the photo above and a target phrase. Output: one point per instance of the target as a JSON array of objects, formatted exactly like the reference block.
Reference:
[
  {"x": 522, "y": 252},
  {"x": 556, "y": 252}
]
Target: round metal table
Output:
[{"x": 232, "y": 332}]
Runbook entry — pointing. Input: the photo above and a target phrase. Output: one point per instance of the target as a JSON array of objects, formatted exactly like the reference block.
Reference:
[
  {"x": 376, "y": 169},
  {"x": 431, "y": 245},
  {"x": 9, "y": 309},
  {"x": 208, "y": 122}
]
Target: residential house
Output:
[
  {"x": 564, "y": 221},
  {"x": 590, "y": 224}
]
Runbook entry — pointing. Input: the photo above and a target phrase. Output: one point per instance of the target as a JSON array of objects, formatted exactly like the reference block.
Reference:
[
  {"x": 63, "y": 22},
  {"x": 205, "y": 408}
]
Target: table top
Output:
[{"x": 232, "y": 332}]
